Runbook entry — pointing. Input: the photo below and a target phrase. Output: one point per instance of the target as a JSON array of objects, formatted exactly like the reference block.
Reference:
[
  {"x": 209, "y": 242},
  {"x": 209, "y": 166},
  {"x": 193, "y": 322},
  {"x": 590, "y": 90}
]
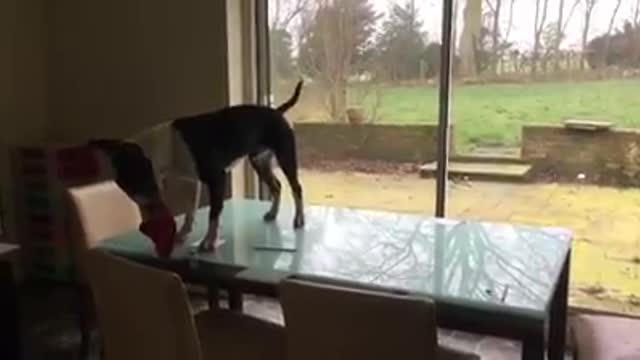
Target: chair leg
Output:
[
  {"x": 101, "y": 349},
  {"x": 236, "y": 300},
  {"x": 10, "y": 329},
  {"x": 84, "y": 312},
  {"x": 213, "y": 297}
]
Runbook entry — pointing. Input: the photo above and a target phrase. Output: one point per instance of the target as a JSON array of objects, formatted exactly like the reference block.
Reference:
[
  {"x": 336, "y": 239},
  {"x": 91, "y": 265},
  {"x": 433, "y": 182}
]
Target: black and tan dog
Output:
[{"x": 209, "y": 144}]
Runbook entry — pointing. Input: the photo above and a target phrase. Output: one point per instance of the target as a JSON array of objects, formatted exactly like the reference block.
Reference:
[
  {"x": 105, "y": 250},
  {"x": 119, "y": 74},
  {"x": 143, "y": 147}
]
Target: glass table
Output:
[{"x": 490, "y": 278}]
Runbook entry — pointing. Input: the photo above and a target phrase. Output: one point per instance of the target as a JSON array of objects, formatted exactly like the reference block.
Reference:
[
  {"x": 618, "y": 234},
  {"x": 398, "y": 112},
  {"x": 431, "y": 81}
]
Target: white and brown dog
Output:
[{"x": 201, "y": 149}]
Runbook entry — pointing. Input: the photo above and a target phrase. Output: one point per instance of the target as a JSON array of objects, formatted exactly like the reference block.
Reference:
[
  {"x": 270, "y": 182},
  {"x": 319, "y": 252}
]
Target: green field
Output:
[{"x": 493, "y": 114}]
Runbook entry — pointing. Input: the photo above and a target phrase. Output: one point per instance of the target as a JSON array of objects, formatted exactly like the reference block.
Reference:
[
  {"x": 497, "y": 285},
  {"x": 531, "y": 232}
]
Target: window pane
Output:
[
  {"x": 545, "y": 119},
  {"x": 368, "y": 114}
]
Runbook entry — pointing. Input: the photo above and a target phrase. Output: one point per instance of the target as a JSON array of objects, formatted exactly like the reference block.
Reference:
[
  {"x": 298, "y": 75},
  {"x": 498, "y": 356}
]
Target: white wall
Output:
[
  {"x": 119, "y": 66},
  {"x": 74, "y": 69},
  {"x": 23, "y": 82},
  {"x": 23, "y": 112}
]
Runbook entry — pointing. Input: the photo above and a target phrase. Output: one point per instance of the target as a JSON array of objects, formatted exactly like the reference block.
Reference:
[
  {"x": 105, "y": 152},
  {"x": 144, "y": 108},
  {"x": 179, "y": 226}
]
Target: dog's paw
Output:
[
  {"x": 183, "y": 234},
  {"x": 298, "y": 221},
  {"x": 207, "y": 245},
  {"x": 270, "y": 216},
  {"x": 211, "y": 242},
  {"x": 180, "y": 239}
]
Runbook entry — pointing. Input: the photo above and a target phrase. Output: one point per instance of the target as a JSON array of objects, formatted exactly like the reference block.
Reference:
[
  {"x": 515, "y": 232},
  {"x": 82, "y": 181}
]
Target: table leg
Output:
[
  {"x": 10, "y": 330},
  {"x": 235, "y": 300},
  {"x": 533, "y": 345},
  {"x": 558, "y": 315},
  {"x": 84, "y": 305},
  {"x": 213, "y": 297}
]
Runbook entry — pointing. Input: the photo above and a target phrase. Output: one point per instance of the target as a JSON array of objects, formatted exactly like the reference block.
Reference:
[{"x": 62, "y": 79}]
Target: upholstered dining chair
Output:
[
  {"x": 96, "y": 212},
  {"x": 144, "y": 313},
  {"x": 324, "y": 320},
  {"x": 603, "y": 337}
]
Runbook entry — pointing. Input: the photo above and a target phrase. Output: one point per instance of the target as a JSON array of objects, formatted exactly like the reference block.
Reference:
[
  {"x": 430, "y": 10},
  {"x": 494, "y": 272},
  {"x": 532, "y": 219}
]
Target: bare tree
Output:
[
  {"x": 336, "y": 39},
  {"x": 542, "y": 10},
  {"x": 507, "y": 34},
  {"x": 495, "y": 33},
  {"x": 635, "y": 21},
  {"x": 607, "y": 39},
  {"x": 562, "y": 29},
  {"x": 510, "y": 21},
  {"x": 588, "y": 14},
  {"x": 454, "y": 30},
  {"x": 470, "y": 39},
  {"x": 283, "y": 12},
  {"x": 570, "y": 15},
  {"x": 337, "y": 44},
  {"x": 559, "y": 37}
]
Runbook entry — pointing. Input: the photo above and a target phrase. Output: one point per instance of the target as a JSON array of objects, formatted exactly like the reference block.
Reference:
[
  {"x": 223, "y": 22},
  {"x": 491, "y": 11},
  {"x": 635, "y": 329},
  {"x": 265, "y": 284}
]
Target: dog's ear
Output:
[
  {"x": 109, "y": 147},
  {"x": 125, "y": 157},
  {"x": 129, "y": 167}
]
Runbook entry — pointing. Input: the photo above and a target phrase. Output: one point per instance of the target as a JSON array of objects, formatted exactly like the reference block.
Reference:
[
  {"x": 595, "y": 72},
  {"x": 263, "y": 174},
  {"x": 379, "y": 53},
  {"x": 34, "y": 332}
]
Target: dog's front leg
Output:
[
  {"x": 216, "y": 186},
  {"x": 189, "y": 217}
]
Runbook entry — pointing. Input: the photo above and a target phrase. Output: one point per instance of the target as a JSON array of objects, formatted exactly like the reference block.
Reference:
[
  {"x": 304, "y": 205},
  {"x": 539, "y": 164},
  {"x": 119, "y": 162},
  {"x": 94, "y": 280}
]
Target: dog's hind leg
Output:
[
  {"x": 286, "y": 155},
  {"x": 261, "y": 163}
]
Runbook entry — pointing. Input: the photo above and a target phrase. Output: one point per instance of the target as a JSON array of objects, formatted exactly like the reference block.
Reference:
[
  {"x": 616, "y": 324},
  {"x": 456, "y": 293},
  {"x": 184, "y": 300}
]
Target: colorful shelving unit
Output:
[{"x": 40, "y": 175}]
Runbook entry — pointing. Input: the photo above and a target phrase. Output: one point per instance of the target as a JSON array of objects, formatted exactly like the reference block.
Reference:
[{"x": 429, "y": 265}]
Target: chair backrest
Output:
[
  {"x": 96, "y": 212},
  {"x": 142, "y": 313},
  {"x": 325, "y": 321}
]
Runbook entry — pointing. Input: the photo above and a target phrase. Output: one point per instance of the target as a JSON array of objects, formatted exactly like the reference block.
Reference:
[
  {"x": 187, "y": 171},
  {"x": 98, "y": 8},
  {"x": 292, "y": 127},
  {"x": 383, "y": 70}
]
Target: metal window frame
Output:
[
  {"x": 263, "y": 66},
  {"x": 444, "y": 110}
]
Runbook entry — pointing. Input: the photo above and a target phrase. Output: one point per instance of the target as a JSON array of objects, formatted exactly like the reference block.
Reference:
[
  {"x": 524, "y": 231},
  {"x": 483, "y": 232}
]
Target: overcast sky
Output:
[{"x": 524, "y": 16}]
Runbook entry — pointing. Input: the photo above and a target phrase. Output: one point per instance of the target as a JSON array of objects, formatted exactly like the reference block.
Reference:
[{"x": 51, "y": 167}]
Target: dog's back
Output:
[
  {"x": 210, "y": 143},
  {"x": 238, "y": 130}
]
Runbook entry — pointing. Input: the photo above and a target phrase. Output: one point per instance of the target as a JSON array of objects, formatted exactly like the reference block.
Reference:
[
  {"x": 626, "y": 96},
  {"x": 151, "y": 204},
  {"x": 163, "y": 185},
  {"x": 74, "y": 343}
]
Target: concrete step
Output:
[
  {"x": 489, "y": 158},
  {"x": 588, "y": 125},
  {"x": 487, "y": 171}
]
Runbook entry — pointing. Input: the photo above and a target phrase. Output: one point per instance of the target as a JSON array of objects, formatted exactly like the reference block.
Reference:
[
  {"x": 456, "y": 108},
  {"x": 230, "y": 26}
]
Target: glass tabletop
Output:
[{"x": 474, "y": 263}]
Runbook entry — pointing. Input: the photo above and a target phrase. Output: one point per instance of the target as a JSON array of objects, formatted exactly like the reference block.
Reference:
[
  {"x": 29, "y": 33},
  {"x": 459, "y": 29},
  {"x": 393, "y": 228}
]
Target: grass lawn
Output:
[{"x": 493, "y": 114}]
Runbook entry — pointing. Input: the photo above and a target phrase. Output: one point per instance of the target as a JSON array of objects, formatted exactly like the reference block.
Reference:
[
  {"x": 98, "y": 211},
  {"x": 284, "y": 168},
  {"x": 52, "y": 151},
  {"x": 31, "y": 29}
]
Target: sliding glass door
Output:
[
  {"x": 545, "y": 130},
  {"x": 512, "y": 111},
  {"x": 367, "y": 119}
]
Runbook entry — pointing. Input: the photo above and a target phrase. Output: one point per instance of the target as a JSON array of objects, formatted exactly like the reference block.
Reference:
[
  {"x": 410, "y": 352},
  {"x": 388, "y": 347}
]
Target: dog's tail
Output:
[{"x": 293, "y": 100}]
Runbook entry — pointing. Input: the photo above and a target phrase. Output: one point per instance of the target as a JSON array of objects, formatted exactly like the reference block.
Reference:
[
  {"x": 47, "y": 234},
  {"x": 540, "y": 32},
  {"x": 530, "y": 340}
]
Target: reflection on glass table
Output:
[{"x": 482, "y": 270}]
